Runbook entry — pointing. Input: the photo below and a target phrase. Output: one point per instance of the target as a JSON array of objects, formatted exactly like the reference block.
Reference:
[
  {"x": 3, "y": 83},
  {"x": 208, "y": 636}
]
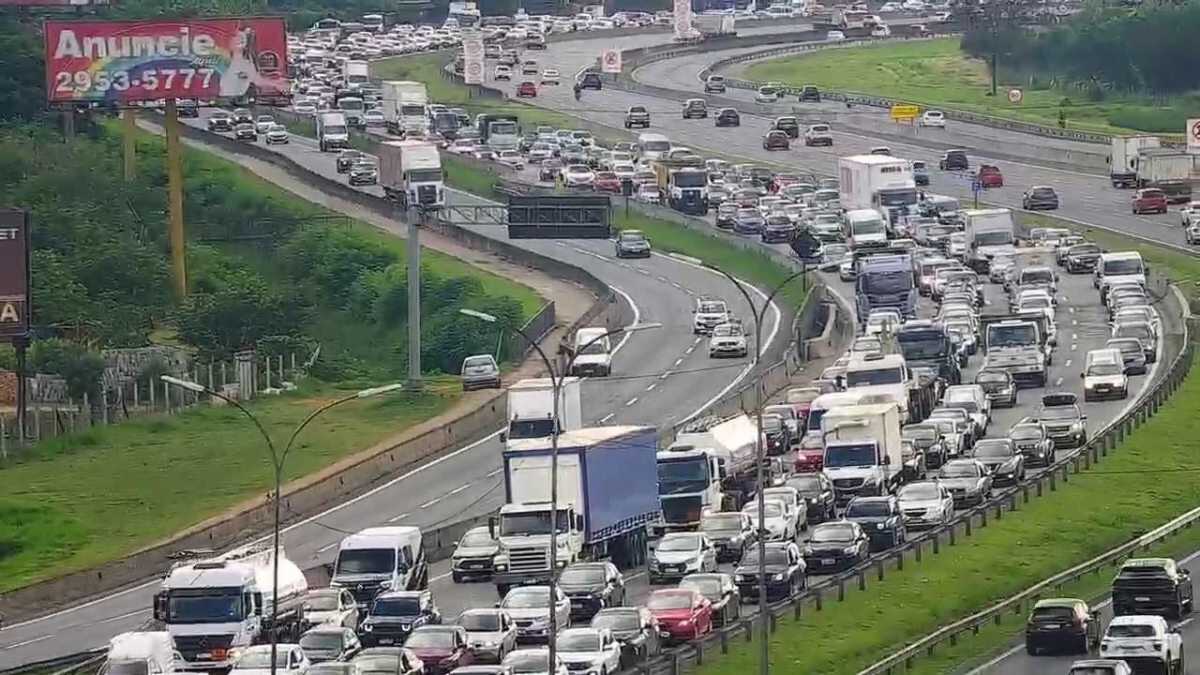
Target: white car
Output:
[
  {"x": 305, "y": 108},
  {"x": 933, "y": 118},
  {"x": 550, "y": 76},
  {"x": 511, "y": 159},
  {"x": 263, "y": 123},
  {"x": 766, "y": 95},
  {"x": 374, "y": 118},
  {"x": 624, "y": 170},
  {"x": 779, "y": 524},
  {"x": 679, "y": 554},
  {"x": 791, "y": 497},
  {"x": 883, "y": 321},
  {"x": 502, "y": 72},
  {"x": 330, "y": 607},
  {"x": 648, "y": 193},
  {"x": 890, "y": 7},
  {"x": 835, "y": 36},
  {"x": 578, "y": 175},
  {"x": 1148, "y": 638},
  {"x": 1104, "y": 375},
  {"x": 534, "y": 661},
  {"x": 728, "y": 339},
  {"x": 593, "y": 650},
  {"x": 529, "y": 68},
  {"x": 881, "y": 30},
  {"x": 925, "y": 504},
  {"x": 277, "y": 134},
  {"x": 1189, "y": 212},
  {"x": 256, "y": 660},
  {"x": 527, "y": 606},
  {"x": 462, "y": 146}
]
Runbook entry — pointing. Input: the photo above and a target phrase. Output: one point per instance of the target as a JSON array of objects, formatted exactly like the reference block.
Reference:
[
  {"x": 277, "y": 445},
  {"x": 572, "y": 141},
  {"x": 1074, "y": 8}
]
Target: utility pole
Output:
[
  {"x": 414, "y": 298},
  {"x": 175, "y": 201},
  {"x": 129, "y": 117}
]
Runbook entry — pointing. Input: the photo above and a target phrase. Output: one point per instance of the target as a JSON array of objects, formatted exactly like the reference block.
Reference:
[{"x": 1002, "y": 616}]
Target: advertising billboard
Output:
[
  {"x": 14, "y": 273},
  {"x": 472, "y": 44},
  {"x": 116, "y": 62},
  {"x": 51, "y": 3}
]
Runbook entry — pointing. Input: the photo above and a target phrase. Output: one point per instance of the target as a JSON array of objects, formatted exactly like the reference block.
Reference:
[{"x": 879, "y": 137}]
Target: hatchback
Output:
[{"x": 1149, "y": 200}]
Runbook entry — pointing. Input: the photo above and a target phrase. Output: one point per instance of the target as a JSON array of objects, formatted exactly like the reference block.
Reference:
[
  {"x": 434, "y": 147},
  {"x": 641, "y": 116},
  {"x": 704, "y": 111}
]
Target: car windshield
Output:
[
  {"x": 991, "y": 377},
  {"x": 526, "y": 598},
  {"x": 480, "y": 621},
  {"x": 321, "y": 640},
  {"x": 1026, "y": 433},
  {"x": 727, "y": 330},
  {"x": 721, "y": 523},
  {"x": 712, "y": 308},
  {"x": 771, "y": 509},
  {"x": 261, "y": 658},
  {"x": 959, "y": 470},
  {"x": 1123, "y": 266},
  {"x": 992, "y": 449},
  {"x": 477, "y": 539},
  {"x": 869, "y": 378},
  {"x": 830, "y": 533},
  {"x": 919, "y": 491},
  {"x": 1059, "y": 412},
  {"x": 669, "y": 600},
  {"x": 582, "y": 575},
  {"x": 321, "y": 602},
  {"x": 1102, "y": 369},
  {"x": 478, "y": 362},
  {"x": 366, "y": 561},
  {"x": 775, "y": 556},
  {"x": 427, "y": 638},
  {"x": 868, "y": 509},
  {"x": 1130, "y": 631},
  {"x": 681, "y": 543},
  {"x": 409, "y": 606},
  {"x": 922, "y": 344}
]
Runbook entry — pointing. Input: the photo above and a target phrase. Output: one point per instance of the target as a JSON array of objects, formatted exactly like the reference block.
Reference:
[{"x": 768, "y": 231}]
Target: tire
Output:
[
  {"x": 456, "y": 577},
  {"x": 1030, "y": 649}
]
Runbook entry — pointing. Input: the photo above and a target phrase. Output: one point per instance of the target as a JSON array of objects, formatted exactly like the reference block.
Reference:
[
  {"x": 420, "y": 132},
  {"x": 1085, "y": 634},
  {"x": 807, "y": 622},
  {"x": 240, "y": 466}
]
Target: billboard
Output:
[
  {"x": 472, "y": 44},
  {"x": 51, "y": 3},
  {"x": 14, "y": 273},
  {"x": 129, "y": 61},
  {"x": 610, "y": 61},
  {"x": 683, "y": 19}
]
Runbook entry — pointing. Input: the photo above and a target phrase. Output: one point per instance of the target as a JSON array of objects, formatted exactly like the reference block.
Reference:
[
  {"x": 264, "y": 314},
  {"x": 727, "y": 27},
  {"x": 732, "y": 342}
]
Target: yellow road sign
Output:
[{"x": 905, "y": 112}]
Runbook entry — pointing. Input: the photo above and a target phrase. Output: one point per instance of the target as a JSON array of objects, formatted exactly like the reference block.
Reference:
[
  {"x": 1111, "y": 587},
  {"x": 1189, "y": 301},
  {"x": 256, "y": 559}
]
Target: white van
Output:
[
  {"x": 151, "y": 653},
  {"x": 652, "y": 147},
  {"x": 380, "y": 559},
  {"x": 592, "y": 352},
  {"x": 1104, "y": 375},
  {"x": 1115, "y": 268},
  {"x": 865, "y": 227}
]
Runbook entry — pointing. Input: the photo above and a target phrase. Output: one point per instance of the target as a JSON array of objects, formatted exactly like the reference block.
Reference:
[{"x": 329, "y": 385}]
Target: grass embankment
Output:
[{"x": 937, "y": 74}]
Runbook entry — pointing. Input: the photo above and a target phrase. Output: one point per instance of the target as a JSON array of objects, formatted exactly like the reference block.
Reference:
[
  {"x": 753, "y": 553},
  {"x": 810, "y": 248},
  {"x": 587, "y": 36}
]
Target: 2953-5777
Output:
[{"x": 151, "y": 79}]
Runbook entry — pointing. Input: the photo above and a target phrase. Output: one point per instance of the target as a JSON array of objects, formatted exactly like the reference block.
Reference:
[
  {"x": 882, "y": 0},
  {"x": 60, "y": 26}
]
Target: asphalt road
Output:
[
  {"x": 1086, "y": 198},
  {"x": 659, "y": 378}
]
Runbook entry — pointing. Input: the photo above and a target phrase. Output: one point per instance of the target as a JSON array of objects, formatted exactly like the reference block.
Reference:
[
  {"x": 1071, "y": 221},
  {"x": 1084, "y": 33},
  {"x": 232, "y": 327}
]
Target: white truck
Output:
[
  {"x": 711, "y": 466},
  {"x": 714, "y": 25},
  {"x": 863, "y": 452},
  {"x": 1168, "y": 170},
  {"x": 1123, "y": 158},
  {"x": 355, "y": 75},
  {"x": 531, "y": 410},
  {"x": 990, "y": 233},
  {"x": 410, "y": 172},
  {"x": 1019, "y": 344},
  {"x": 1146, "y": 643},
  {"x": 213, "y": 607},
  {"x": 404, "y": 105},
  {"x": 606, "y": 499},
  {"x": 885, "y": 184},
  {"x": 149, "y": 653},
  {"x": 332, "y": 131}
]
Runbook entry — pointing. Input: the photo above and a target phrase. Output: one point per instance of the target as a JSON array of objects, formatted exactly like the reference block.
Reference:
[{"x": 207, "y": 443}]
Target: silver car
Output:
[
  {"x": 330, "y": 607},
  {"x": 480, "y": 372},
  {"x": 491, "y": 633}
]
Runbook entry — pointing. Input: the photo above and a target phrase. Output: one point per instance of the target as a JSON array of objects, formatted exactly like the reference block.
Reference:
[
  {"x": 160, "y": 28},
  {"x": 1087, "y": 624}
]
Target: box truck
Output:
[
  {"x": 990, "y": 233},
  {"x": 885, "y": 184},
  {"x": 531, "y": 409},
  {"x": 863, "y": 454},
  {"x": 1123, "y": 158},
  {"x": 404, "y": 107},
  {"x": 1168, "y": 170},
  {"x": 410, "y": 172},
  {"x": 355, "y": 75},
  {"x": 332, "y": 132}
]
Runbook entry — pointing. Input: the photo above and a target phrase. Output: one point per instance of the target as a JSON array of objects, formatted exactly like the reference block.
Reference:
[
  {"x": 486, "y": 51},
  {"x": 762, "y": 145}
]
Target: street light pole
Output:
[
  {"x": 277, "y": 464},
  {"x": 556, "y": 383}
]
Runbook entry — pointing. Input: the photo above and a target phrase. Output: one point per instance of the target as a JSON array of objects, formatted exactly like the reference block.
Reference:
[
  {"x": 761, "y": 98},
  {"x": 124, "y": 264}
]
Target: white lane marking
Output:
[
  {"x": 631, "y": 401},
  {"x": 501, "y": 469},
  {"x": 126, "y": 615},
  {"x": 678, "y": 285},
  {"x": 1072, "y": 309},
  {"x": 666, "y": 374},
  {"x": 696, "y": 341},
  {"x": 603, "y": 420},
  {"x": 691, "y": 349},
  {"x": 431, "y": 502},
  {"x": 458, "y": 489},
  {"x": 679, "y": 360},
  {"x": 1058, "y": 382},
  {"x": 637, "y": 316},
  {"x": 642, "y": 271},
  {"x": 393, "y": 519},
  {"x": 326, "y": 547},
  {"x": 27, "y": 642},
  {"x": 651, "y": 386},
  {"x": 1067, "y": 364}
]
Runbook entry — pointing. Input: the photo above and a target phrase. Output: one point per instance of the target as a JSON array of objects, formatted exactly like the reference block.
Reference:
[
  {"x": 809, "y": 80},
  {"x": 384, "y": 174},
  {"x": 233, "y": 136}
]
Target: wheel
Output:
[{"x": 1030, "y": 649}]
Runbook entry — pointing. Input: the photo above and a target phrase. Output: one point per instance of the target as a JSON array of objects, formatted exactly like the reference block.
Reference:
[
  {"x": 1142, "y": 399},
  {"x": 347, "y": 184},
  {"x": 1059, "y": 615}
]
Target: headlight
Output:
[
  {"x": 880, "y": 526},
  {"x": 386, "y": 583},
  {"x": 777, "y": 577},
  {"x": 850, "y": 550},
  {"x": 368, "y": 627}
]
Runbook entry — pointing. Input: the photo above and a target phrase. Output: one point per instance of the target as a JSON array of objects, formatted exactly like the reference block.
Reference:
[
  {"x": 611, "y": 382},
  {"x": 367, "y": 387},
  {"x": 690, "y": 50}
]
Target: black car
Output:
[
  {"x": 590, "y": 80},
  {"x": 809, "y": 93},
  {"x": 1002, "y": 458},
  {"x": 779, "y": 229},
  {"x": 787, "y": 124},
  {"x": 695, "y": 107},
  {"x": 1062, "y": 624},
  {"x": 220, "y": 120},
  {"x": 592, "y": 586},
  {"x": 719, "y": 589},
  {"x": 728, "y": 117},
  {"x": 731, "y": 532},
  {"x": 1040, "y": 197},
  {"x": 634, "y": 628},
  {"x": 835, "y": 546},
  {"x": 395, "y": 614},
  {"x": 347, "y": 159},
  {"x": 245, "y": 132},
  {"x": 881, "y": 518},
  {"x": 748, "y": 221},
  {"x": 187, "y": 108},
  {"x": 776, "y": 434},
  {"x": 776, "y": 140},
  {"x": 726, "y": 215},
  {"x": 1031, "y": 440},
  {"x": 999, "y": 386},
  {"x": 954, "y": 160},
  {"x": 785, "y": 570},
  {"x": 927, "y": 440},
  {"x": 817, "y": 491},
  {"x": 1152, "y": 586},
  {"x": 1082, "y": 258},
  {"x": 364, "y": 173}
]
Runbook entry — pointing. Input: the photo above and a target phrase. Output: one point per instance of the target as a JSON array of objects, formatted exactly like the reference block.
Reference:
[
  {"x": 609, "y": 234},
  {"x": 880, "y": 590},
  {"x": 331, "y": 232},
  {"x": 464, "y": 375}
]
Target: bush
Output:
[
  {"x": 81, "y": 368},
  {"x": 1154, "y": 120},
  {"x": 238, "y": 315}
]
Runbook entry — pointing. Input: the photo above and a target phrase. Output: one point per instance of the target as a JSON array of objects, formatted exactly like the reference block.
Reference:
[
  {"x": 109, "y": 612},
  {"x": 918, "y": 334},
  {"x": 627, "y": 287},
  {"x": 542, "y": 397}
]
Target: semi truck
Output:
[
  {"x": 1168, "y": 170},
  {"x": 863, "y": 453},
  {"x": 711, "y": 466},
  {"x": 1019, "y": 344},
  {"x": 1123, "y": 158},
  {"x": 332, "y": 132},
  {"x": 215, "y": 606},
  {"x": 404, "y": 107},
  {"x": 499, "y": 131},
  {"x": 684, "y": 184},
  {"x": 607, "y": 498},
  {"x": 531, "y": 410},
  {"x": 883, "y": 183},
  {"x": 885, "y": 281},
  {"x": 410, "y": 172},
  {"x": 990, "y": 233}
]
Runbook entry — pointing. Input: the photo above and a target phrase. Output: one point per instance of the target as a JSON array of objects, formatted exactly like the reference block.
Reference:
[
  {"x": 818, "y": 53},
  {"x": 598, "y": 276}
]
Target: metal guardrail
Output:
[{"x": 59, "y": 665}]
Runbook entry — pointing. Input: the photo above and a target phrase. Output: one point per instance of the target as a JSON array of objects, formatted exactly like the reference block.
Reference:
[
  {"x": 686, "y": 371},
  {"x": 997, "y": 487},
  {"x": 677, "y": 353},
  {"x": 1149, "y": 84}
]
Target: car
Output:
[
  {"x": 364, "y": 172},
  {"x": 989, "y": 176},
  {"x": 330, "y": 607},
  {"x": 1040, "y": 197},
  {"x": 1100, "y": 667},
  {"x": 1152, "y": 586},
  {"x": 1064, "y": 422},
  {"x": 776, "y": 140},
  {"x": 968, "y": 481},
  {"x": 1003, "y": 460},
  {"x": 695, "y": 107},
  {"x": 245, "y": 132},
  {"x": 748, "y": 221},
  {"x": 816, "y": 489},
  {"x": 731, "y": 532},
  {"x": 678, "y": 554},
  {"x": 256, "y": 660},
  {"x": 935, "y": 119},
  {"x": 1147, "y": 643},
  {"x": 527, "y": 605},
  {"x": 526, "y": 89},
  {"x": 781, "y": 522},
  {"x": 766, "y": 94},
  {"x": 1062, "y": 625},
  {"x": 634, "y": 628},
  {"x": 728, "y": 339},
  {"x": 632, "y": 244},
  {"x": 727, "y": 117},
  {"x": 881, "y": 518},
  {"x": 927, "y": 441},
  {"x": 393, "y": 615},
  {"x": 329, "y": 643},
  {"x": 374, "y": 118},
  {"x": 1191, "y": 233},
  {"x": 954, "y": 160},
  {"x": 835, "y": 36},
  {"x": 262, "y": 123},
  {"x": 529, "y": 67},
  {"x": 648, "y": 193},
  {"x": 242, "y": 116},
  {"x": 511, "y": 158},
  {"x": 637, "y": 116},
  {"x": 714, "y": 84},
  {"x": 534, "y": 661},
  {"x": 277, "y": 134},
  {"x": 785, "y": 567},
  {"x": 682, "y": 613},
  {"x": 550, "y": 76},
  {"x": 835, "y": 546},
  {"x": 809, "y": 93},
  {"x": 592, "y": 586},
  {"x": 1142, "y": 331},
  {"x": 346, "y": 159},
  {"x": 593, "y": 650},
  {"x": 477, "y": 548},
  {"x": 1031, "y": 439},
  {"x": 502, "y": 73},
  {"x": 1082, "y": 257},
  {"x": 1149, "y": 200},
  {"x": 999, "y": 386},
  {"x": 925, "y": 504},
  {"x": 1133, "y": 353},
  {"x": 491, "y": 633},
  {"x": 441, "y": 648},
  {"x": 708, "y": 313},
  {"x": 720, "y": 590}
]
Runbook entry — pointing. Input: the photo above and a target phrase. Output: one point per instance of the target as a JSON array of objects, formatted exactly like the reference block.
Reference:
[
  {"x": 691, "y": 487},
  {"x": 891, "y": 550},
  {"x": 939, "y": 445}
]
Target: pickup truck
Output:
[
  {"x": 637, "y": 116},
  {"x": 1146, "y": 643}
]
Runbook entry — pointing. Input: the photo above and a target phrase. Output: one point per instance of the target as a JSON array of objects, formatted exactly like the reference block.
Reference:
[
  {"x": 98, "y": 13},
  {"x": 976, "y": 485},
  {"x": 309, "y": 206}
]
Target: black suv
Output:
[
  {"x": 1082, "y": 258},
  {"x": 728, "y": 117},
  {"x": 1152, "y": 586},
  {"x": 789, "y": 125},
  {"x": 732, "y": 532},
  {"x": 591, "y": 587},
  {"x": 695, "y": 107},
  {"x": 591, "y": 80},
  {"x": 347, "y": 159},
  {"x": 785, "y": 571},
  {"x": 810, "y": 93},
  {"x": 393, "y": 616},
  {"x": 634, "y": 628},
  {"x": 954, "y": 160},
  {"x": 881, "y": 518},
  {"x": 817, "y": 491},
  {"x": 778, "y": 436}
]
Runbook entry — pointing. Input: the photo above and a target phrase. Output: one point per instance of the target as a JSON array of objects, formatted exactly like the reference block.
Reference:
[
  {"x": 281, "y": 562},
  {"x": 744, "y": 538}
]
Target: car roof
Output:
[{"x": 1058, "y": 602}]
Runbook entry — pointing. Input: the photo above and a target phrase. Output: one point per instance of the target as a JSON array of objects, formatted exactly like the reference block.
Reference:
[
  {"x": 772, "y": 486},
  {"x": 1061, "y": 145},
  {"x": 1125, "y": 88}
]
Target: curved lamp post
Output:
[
  {"x": 556, "y": 382},
  {"x": 277, "y": 463}
]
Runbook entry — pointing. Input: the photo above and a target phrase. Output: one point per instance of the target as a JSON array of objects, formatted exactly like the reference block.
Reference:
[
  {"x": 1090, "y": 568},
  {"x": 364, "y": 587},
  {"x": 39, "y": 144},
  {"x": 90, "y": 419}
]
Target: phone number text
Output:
[{"x": 164, "y": 79}]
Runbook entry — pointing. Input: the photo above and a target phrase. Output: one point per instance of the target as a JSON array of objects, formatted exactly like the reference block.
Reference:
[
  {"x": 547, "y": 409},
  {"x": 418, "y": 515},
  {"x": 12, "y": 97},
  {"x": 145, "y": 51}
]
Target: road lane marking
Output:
[
  {"x": 1067, "y": 364},
  {"x": 679, "y": 360},
  {"x": 458, "y": 489},
  {"x": 1058, "y": 382},
  {"x": 696, "y": 341},
  {"x": 631, "y": 401},
  {"x": 497, "y": 471},
  {"x": 665, "y": 375},
  {"x": 126, "y": 615},
  {"x": 652, "y": 386},
  {"x": 691, "y": 349},
  {"x": 430, "y": 503},
  {"x": 603, "y": 420},
  {"x": 27, "y": 642},
  {"x": 393, "y": 519},
  {"x": 329, "y": 546}
]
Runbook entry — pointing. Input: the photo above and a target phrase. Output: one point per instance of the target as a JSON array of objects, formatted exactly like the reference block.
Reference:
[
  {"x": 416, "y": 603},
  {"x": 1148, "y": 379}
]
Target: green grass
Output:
[
  {"x": 81, "y": 500},
  {"x": 935, "y": 73}
]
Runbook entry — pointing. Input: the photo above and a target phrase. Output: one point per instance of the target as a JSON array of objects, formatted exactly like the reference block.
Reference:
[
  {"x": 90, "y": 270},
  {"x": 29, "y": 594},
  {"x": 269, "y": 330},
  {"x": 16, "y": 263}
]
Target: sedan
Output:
[
  {"x": 1003, "y": 460},
  {"x": 836, "y": 546},
  {"x": 881, "y": 518},
  {"x": 776, "y": 140},
  {"x": 721, "y": 591},
  {"x": 364, "y": 173},
  {"x": 933, "y": 118},
  {"x": 683, "y": 614},
  {"x": 632, "y": 244},
  {"x": 262, "y": 123},
  {"x": 1149, "y": 200},
  {"x": 766, "y": 95},
  {"x": 491, "y": 633},
  {"x": 330, "y": 607},
  {"x": 550, "y": 76},
  {"x": 925, "y": 504},
  {"x": 578, "y": 175},
  {"x": 593, "y": 650},
  {"x": 999, "y": 386},
  {"x": 277, "y": 134},
  {"x": 679, "y": 554},
  {"x": 502, "y": 72},
  {"x": 256, "y": 660},
  {"x": 441, "y": 648},
  {"x": 527, "y": 606},
  {"x": 778, "y": 229},
  {"x": 1040, "y": 197},
  {"x": 967, "y": 480},
  {"x": 534, "y": 661},
  {"x": 374, "y": 118},
  {"x": 330, "y": 643},
  {"x": 634, "y": 628},
  {"x": 785, "y": 569},
  {"x": 989, "y": 176},
  {"x": 1032, "y": 441},
  {"x": 748, "y": 221},
  {"x": 728, "y": 117},
  {"x": 607, "y": 181},
  {"x": 245, "y": 132},
  {"x": 526, "y": 89},
  {"x": 346, "y": 159},
  {"x": 592, "y": 586}
]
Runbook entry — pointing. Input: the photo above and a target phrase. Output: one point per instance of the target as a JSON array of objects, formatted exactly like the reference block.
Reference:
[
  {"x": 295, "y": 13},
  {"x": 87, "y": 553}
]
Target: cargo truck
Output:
[
  {"x": 711, "y": 466},
  {"x": 410, "y": 172},
  {"x": 1168, "y": 170},
  {"x": 213, "y": 607},
  {"x": 863, "y": 453},
  {"x": 1018, "y": 344},
  {"x": 355, "y": 75},
  {"x": 607, "y": 498},
  {"x": 404, "y": 107},
  {"x": 990, "y": 233},
  {"x": 1123, "y": 158},
  {"x": 885, "y": 281},
  {"x": 684, "y": 184},
  {"x": 499, "y": 131},
  {"x": 882, "y": 183},
  {"x": 332, "y": 132},
  {"x": 711, "y": 25},
  {"x": 531, "y": 409}
]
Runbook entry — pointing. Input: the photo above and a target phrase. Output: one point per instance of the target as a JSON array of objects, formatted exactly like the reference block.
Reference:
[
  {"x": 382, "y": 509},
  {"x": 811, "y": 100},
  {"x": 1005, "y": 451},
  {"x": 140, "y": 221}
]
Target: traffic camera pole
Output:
[
  {"x": 175, "y": 200},
  {"x": 414, "y": 297}
]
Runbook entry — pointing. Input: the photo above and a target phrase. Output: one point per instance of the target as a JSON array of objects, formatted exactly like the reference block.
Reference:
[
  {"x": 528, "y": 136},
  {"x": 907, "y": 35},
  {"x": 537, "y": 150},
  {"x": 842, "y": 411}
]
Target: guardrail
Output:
[{"x": 60, "y": 665}]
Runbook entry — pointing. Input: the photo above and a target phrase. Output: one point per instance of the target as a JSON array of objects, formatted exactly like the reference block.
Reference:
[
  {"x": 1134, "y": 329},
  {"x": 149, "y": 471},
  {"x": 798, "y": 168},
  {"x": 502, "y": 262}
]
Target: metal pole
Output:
[
  {"x": 129, "y": 116},
  {"x": 20, "y": 345},
  {"x": 765, "y": 630},
  {"x": 414, "y": 301},
  {"x": 552, "y": 636},
  {"x": 175, "y": 201}
]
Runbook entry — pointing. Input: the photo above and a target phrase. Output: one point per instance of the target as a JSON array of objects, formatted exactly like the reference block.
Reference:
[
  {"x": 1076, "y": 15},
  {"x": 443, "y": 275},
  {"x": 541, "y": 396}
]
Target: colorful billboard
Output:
[
  {"x": 14, "y": 273},
  {"x": 129, "y": 61},
  {"x": 51, "y": 3}
]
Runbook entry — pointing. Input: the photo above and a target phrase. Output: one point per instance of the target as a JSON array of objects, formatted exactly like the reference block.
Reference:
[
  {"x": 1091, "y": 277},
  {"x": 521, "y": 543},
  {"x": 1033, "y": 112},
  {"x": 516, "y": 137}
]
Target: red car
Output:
[
  {"x": 607, "y": 181},
  {"x": 527, "y": 89},
  {"x": 810, "y": 456},
  {"x": 442, "y": 648},
  {"x": 990, "y": 176},
  {"x": 684, "y": 614},
  {"x": 1149, "y": 200},
  {"x": 782, "y": 180}
]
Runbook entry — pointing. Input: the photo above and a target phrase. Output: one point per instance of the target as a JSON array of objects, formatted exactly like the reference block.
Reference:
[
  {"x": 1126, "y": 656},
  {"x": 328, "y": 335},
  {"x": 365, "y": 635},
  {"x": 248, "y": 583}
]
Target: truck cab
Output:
[
  {"x": 499, "y": 131},
  {"x": 1018, "y": 345},
  {"x": 380, "y": 559},
  {"x": 865, "y": 228},
  {"x": 885, "y": 281},
  {"x": 884, "y": 374},
  {"x": 708, "y": 468},
  {"x": 1117, "y": 268},
  {"x": 990, "y": 233},
  {"x": 531, "y": 410},
  {"x": 863, "y": 450},
  {"x": 926, "y": 343}
]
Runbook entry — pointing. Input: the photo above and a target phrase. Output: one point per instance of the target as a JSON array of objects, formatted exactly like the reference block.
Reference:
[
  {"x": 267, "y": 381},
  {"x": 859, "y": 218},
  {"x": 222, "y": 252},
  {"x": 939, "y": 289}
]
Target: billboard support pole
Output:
[
  {"x": 175, "y": 200},
  {"x": 414, "y": 298},
  {"x": 19, "y": 345},
  {"x": 130, "y": 138},
  {"x": 68, "y": 122}
]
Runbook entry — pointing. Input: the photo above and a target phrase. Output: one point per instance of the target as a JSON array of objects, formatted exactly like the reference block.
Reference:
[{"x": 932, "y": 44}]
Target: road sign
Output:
[
  {"x": 610, "y": 61},
  {"x": 1193, "y": 135},
  {"x": 905, "y": 113},
  {"x": 559, "y": 217},
  {"x": 1015, "y": 95}
]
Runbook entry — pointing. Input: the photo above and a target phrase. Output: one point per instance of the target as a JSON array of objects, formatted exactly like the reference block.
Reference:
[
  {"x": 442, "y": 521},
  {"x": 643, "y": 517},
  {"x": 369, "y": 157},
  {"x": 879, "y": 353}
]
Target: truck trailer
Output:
[
  {"x": 1123, "y": 158},
  {"x": 990, "y": 233},
  {"x": 1168, "y": 170},
  {"x": 404, "y": 107},
  {"x": 885, "y": 184},
  {"x": 710, "y": 466},
  {"x": 410, "y": 172}
]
